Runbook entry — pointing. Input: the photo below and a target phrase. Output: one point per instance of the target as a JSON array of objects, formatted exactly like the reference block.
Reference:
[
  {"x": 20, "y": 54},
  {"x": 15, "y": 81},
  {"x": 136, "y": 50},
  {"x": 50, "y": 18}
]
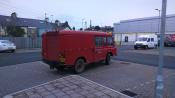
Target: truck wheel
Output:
[
  {"x": 108, "y": 59},
  {"x": 12, "y": 51},
  {"x": 135, "y": 47},
  {"x": 155, "y": 46},
  {"x": 146, "y": 47},
  {"x": 79, "y": 66}
]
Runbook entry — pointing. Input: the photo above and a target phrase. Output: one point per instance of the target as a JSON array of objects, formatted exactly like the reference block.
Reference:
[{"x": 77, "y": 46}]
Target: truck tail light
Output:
[{"x": 62, "y": 57}]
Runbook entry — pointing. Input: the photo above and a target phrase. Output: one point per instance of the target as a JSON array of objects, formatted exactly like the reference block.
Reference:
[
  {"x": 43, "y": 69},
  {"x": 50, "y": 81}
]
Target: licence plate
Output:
[{"x": 10, "y": 48}]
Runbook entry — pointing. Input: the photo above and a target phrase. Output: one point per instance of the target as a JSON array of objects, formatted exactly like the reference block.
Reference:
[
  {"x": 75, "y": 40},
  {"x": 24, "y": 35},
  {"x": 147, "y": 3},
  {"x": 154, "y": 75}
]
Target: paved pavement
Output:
[
  {"x": 72, "y": 86},
  {"x": 120, "y": 76}
]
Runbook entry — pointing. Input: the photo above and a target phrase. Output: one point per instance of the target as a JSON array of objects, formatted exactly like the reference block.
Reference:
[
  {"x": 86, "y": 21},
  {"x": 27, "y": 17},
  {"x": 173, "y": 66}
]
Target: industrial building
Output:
[{"x": 127, "y": 31}]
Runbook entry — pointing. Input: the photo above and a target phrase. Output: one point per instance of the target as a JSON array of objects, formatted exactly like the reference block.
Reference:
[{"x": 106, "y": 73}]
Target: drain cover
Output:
[{"x": 129, "y": 93}]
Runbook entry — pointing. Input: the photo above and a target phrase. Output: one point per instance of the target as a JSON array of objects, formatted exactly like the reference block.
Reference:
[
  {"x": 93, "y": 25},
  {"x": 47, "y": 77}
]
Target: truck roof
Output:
[{"x": 68, "y": 32}]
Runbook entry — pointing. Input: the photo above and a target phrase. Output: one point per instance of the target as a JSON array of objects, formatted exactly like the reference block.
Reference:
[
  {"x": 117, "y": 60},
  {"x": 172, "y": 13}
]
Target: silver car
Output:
[{"x": 6, "y": 45}]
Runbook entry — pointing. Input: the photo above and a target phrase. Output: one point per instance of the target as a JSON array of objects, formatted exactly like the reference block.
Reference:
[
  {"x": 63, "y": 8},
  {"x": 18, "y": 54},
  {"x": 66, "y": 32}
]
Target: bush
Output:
[{"x": 15, "y": 31}]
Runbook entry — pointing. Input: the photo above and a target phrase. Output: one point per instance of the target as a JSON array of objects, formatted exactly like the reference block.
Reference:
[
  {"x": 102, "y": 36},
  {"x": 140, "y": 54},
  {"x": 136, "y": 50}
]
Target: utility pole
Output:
[
  {"x": 45, "y": 22},
  {"x": 82, "y": 23},
  {"x": 85, "y": 23},
  {"x": 159, "y": 78},
  {"x": 158, "y": 32},
  {"x": 90, "y": 24},
  {"x": 51, "y": 18}
]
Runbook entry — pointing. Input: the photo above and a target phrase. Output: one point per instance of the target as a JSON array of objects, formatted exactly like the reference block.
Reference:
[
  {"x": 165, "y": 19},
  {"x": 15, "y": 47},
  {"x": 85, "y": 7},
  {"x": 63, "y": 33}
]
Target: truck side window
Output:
[
  {"x": 109, "y": 41},
  {"x": 152, "y": 39},
  {"x": 98, "y": 41},
  {"x": 105, "y": 41},
  {"x": 148, "y": 40}
]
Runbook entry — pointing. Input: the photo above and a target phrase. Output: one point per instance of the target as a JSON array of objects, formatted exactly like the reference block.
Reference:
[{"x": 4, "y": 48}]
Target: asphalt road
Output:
[
  {"x": 147, "y": 59},
  {"x": 7, "y": 59}
]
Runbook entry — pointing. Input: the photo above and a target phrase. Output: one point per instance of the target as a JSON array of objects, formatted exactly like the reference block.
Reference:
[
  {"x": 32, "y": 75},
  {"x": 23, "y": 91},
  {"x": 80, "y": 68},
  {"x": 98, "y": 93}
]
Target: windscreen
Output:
[{"x": 142, "y": 39}]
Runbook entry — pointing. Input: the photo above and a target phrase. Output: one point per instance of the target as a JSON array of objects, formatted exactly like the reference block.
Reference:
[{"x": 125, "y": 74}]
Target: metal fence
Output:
[{"x": 24, "y": 42}]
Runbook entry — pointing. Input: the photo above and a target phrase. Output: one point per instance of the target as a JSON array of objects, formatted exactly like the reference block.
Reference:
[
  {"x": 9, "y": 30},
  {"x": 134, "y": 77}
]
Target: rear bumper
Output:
[
  {"x": 169, "y": 43},
  {"x": 53, "y": 63},
  {"x": 56, "y": 64}
]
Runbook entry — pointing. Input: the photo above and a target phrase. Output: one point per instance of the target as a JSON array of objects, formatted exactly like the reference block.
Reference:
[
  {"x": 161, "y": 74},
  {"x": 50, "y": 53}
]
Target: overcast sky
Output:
[{"x": 101, "y": 12}]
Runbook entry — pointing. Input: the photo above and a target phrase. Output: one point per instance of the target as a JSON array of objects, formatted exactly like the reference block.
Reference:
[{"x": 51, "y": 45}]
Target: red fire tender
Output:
[{"x": 76, "y": 49}]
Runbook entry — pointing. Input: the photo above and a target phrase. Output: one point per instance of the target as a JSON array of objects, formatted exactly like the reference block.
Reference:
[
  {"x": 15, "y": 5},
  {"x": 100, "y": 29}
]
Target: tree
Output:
[
  {"x": 73, "y": 28},
  {"x": 97, "y": 28},
  {"x": 15, "y": 31}
]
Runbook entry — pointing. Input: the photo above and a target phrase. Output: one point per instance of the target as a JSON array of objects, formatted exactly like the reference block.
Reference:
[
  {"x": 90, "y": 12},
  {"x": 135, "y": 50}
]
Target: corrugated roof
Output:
[{"x": 145, "y": 18}]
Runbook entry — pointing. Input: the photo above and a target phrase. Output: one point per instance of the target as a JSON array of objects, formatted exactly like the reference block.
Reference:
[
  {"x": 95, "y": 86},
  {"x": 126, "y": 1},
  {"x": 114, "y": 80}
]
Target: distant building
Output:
[
  {"x": 127, "y": 31},
  {"x": 98, "y": 28},
  {"x": 32, "y": 27}
]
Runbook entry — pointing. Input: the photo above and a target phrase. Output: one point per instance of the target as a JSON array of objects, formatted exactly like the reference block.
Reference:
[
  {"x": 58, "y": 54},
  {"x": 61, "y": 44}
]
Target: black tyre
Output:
[
  {"x": 12, "y": 51},
  {"x": 79, "y": 66},
  {"x": 155, "y": 46},
  {"x": 135, "y": 47},
  {"x": 108, "y": 59},
  {"x": 146, "y": 47}
]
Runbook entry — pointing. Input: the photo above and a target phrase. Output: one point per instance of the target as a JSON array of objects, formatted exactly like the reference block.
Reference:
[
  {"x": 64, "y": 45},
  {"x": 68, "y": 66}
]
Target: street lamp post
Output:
[
  {"x": 51, "y": 18},
  {"x": 159, "y": 78},
  {"x": 158, "y": 30},
  {"x": 82, "y": 23}
]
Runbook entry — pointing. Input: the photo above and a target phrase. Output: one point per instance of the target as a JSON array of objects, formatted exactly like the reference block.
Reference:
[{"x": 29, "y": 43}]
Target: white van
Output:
[{"x": 146, "y": 41}]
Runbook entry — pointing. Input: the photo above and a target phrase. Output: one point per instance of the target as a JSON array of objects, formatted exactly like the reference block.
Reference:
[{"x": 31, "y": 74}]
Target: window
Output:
[
  {"x": 109, "y": 41},
  {"x": 98, "y": 41},
  {"x": 152, "y": 39},
  {"x": 148, "y": 40},
  {"x": 142, "y": 39},
  {"x": 126, "y": 38},
  {"x": 104, "y": 40}
]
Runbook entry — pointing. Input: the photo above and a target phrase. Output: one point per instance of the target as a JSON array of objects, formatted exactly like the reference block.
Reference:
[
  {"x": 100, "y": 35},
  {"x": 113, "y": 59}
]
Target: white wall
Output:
[{"x": 150, "y": 24}]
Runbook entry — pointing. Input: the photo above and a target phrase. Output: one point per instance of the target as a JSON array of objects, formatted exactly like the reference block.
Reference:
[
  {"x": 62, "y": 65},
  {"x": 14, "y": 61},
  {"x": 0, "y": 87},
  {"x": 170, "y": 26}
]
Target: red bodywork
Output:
[{"x": 65, "y": 47}]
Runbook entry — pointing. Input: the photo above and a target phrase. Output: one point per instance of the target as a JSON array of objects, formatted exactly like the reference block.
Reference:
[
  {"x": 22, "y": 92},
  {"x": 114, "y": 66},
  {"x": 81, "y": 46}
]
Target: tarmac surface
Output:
[
  {"x": 168, "y": 51},
  {"x": 119, "y": 76}
]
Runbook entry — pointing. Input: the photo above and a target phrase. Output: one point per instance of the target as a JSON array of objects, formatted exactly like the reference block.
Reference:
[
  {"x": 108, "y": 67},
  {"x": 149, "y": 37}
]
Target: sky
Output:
[{"x": 76, "y": 12}]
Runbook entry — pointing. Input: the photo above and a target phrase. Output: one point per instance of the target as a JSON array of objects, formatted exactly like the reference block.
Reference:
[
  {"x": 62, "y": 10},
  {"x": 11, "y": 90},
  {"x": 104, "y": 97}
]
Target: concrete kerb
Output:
[
  {"x": 26, "y": 50},
  {"x": 123, "y": 95},
  {"x": 107, "y": 88}
]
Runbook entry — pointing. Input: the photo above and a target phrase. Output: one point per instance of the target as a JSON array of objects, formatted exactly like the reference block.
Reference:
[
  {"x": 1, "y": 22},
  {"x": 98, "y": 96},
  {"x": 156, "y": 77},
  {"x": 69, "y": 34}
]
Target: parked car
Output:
[
  {"x": 6, "y": 45},
  {"x": 75, "y": 49},
  {"x": 169, "y": 40},
  {"x": 146, "y": 41}
]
